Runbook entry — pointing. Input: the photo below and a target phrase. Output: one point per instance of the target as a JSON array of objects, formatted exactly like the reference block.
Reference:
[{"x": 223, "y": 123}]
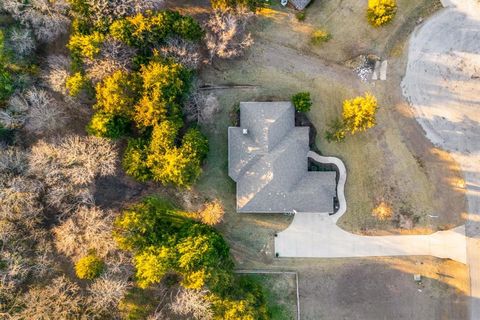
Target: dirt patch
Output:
[{"x": 368, "y": 289}]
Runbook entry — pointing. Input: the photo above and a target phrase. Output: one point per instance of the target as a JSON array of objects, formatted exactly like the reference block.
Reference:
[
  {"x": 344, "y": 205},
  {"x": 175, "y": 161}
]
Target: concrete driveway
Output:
[
  {"x": 313, "y": 235},
  {"x": 317, "y": 235},
  {"x": 442, "y": 83}
]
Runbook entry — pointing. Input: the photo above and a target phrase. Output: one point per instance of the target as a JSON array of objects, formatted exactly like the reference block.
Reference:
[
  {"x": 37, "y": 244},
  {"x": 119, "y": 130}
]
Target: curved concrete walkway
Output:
[
  {"x": 341, "y": 180},
  {"x": 442, "y": 83}
]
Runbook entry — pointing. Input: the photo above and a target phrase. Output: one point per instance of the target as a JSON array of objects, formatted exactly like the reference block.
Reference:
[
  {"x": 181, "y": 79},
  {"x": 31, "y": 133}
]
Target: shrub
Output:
[
  {"x": 320, "y": 36},
  {"x": 336, "y": 131},
  {"x": 89, "y": 267},
  {"x": 108, "y": 126},
  {"x": 302, "y": 102},
  {"x": 212, "y": 213},
  {"x": 381, "y": 12},
  {"x": 300, "y": 15}
]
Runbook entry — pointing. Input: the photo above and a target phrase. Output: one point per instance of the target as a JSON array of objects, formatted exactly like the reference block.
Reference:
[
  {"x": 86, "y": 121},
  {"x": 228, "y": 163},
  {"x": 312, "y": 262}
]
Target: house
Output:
[
  {"x": 267, "y": 158},
  {"x": 300, "y": 4}
]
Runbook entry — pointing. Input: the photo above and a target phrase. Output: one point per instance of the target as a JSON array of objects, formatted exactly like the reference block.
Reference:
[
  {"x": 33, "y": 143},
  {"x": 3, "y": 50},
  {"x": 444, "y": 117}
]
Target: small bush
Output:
[
  {"x": 336, "y": 131},
  {"x": 212, "y": 213},
  {"x": 320, "y": 36},
  {"x": 302, "y": 101},
  {"x": 381, "y": 12},
  {"x": 108, "y": 126},
  {"x": 301, "y": 15},
  {"x": 89, "y": 267}
]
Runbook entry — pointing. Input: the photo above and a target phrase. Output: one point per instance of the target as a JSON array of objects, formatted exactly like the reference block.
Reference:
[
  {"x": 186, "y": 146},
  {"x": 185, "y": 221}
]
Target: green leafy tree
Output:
[
  {"x": 108, "y": 126},
  {"x": 381, "y": 12},
  {"x": 89, "y": 267},
  {"x": 76, "y": 83},
  {"x": 164, "y": 239},
  {"x": 170, "y": 164},
  {"x": 244, "y": 301},
  {"x": 6, "y": 84},
  {"x": 163, "y": 86},
  {"x": 302, "y": 101},
  {"x": 117, "y": 94},
  {"x": 195, "y": 144},
  {"x": 147, "y": 31},
  {"x": 85, "y": 46},
  {"x": 152, "y": 264},
  {"x": 359, "y": 114},
  {"x": 135, "y": 159}
]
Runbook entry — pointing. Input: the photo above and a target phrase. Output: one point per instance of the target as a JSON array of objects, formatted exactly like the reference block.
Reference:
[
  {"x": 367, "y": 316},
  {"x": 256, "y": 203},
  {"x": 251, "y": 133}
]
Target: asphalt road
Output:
[{"x": 442, "y": 84}]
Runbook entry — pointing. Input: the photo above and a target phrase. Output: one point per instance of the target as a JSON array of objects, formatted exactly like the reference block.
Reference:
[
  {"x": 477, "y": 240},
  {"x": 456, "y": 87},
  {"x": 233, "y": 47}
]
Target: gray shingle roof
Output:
[
  {"x": 300, "y": 4},
  {"x": 270, "y": 163}
]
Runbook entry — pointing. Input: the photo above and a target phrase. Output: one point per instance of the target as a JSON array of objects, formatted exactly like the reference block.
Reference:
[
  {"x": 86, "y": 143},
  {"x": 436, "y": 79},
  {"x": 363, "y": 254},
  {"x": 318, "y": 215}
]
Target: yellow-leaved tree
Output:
[
  {"x": 381, "y": 12},
  {"x": 359, "y": 114}
]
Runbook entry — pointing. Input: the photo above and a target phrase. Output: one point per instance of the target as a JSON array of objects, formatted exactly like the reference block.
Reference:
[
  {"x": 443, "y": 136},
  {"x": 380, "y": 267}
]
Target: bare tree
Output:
[
  {"x": 47, "y": 19},
  {"x": 68, "y": 168},
  {"x": 13, "y": 160},
  {"x": 20, "y": 200},
  {"x": 199, "y": 107},
  {"x": 193, "y": 303},
  {"x": 59, "y": 300},
  {"x": 113, "y": 9},
  {"x": 114, "y": 55},
  {"x": 36, "y": 110},
  {"x": 56, "y": 74},
  {"x": 88, "y": 229},
  {"x": 45, "y": 115},
  {"x": 226, "y": 35},
  {"x": 182, "y": 51},
  {"x": 21, "y": 41},
  {"x": 106, "y": 293},
  {"x": 14, "y": 115}
]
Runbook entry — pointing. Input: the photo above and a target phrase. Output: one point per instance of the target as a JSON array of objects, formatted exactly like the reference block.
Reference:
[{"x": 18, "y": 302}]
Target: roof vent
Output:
[{"x": 245, "y": 131}]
